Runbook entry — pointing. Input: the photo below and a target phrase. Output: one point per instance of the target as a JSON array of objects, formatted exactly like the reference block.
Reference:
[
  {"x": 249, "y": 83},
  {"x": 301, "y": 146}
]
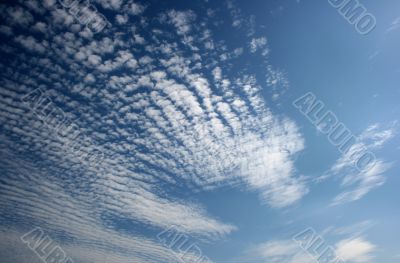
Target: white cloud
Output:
[
  {"x": 158, "y": 117},
  {"x": 94, "y": 60},
  {"x": 41, "y": 27},
  {"x": 394, "y": 26},
  {"x": 355, "y": 250},
  {"x": 278, "y": 251},
  {"x": 110, "y": 4},
  {"x": 352, "y": 249},
  {"x": 136, "y": 9},
  {"x": 258, "y": 43},
  {"x": 89, "y": 78},
  {"x": 19, "y": 16},
  {"x": 6, "y": 30},
  {"x": 31, "y": 44},
  {"x": 121, "y": 19},
  {"x": 182, "y": 20},
  {"x": 364, "y": 182},
  {"x": 358, "y": 183}
]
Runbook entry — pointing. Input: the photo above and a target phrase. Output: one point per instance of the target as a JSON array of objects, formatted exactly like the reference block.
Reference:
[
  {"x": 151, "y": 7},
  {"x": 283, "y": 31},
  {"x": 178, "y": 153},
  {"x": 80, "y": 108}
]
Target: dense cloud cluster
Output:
[
  {"x": 156, "y": 94},
  {"x": 160, "y": 107}
]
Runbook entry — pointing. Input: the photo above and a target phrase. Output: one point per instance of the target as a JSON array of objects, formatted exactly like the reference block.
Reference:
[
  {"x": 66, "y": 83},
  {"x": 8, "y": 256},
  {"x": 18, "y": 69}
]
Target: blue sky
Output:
[{"x": 178, "y": 117}]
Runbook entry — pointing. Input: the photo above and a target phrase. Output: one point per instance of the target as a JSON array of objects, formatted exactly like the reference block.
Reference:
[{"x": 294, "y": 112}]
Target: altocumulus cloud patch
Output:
[{"x": 154, "y": 96}]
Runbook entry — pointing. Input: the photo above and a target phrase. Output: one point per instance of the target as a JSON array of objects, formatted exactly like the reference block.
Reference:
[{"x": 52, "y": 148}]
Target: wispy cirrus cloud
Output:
[
  {"x": 359, "y": 183},
  {"x": 277, "y": 251},
  {"x": 334, "y": 244},
  {"x": 395, "y": 25}
]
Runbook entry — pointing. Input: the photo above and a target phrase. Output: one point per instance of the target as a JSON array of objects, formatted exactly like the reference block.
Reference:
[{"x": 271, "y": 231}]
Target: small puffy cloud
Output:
[
  {"x": 94, "y": 60},
  {"x": 238, "y": 51},
  {"x": 6, "y": 30},
  {"x": 89, "y": 78},
  {"x": 30, "y": 43},
  {"x": 136, "y": 9},
  {"x": 181, "y": 20},
  {"x": 110, "y": 4},
  {"x": 121, "y": 19},
  {"x": 40, "y": 26},
  {"x": 257, "y": 43},
  {"x": 217, "y": 73},
  {"x": 19, "y": 16}
]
